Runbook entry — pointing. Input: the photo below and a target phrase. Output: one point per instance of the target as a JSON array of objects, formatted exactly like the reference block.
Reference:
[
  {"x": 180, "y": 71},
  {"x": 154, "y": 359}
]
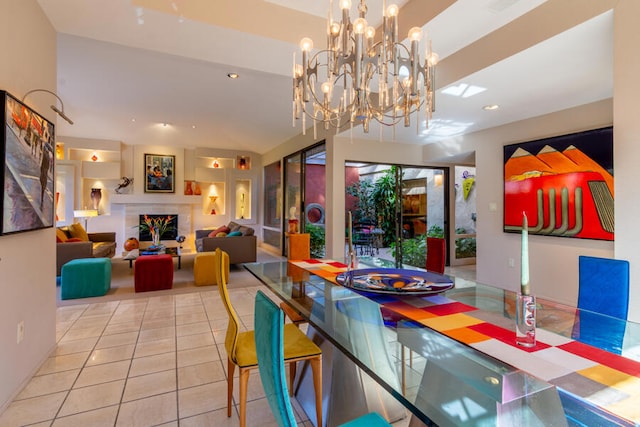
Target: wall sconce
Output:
[
  {"x": 94, "y": 157},
  {"x": 438, "y": 178},
  {"x": 216, "y": 165},
  {"x": 53, "y": 107}
]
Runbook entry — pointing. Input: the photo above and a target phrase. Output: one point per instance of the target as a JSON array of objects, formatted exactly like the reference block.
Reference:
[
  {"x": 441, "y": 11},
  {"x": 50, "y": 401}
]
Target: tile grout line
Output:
[
  {"x": 126, "y": 379},
  {"x": 84, "y": 365}
]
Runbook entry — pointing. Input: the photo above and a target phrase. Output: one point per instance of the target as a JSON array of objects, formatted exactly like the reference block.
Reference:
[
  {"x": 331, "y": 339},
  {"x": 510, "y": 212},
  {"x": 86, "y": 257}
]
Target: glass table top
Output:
[{"x": 459, "y": 345}]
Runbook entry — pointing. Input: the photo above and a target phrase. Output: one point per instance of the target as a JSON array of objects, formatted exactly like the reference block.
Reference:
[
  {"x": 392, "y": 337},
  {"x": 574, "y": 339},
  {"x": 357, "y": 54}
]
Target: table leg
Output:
[{"x": 179, "y": 262}]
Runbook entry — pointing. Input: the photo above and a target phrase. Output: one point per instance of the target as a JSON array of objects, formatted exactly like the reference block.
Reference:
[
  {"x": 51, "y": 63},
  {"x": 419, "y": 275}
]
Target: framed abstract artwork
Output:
[
  {"x": 160, "y": 173},
  {"x": 563, "y": 184},
  {"x": 28, "y": 148}
]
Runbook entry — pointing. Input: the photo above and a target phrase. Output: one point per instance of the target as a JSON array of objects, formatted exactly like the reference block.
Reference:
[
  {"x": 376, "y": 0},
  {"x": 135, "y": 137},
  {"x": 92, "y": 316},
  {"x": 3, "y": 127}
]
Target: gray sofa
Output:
[
  {"x": 240, "y": 248},
  {"x": 100, "y": 245}
]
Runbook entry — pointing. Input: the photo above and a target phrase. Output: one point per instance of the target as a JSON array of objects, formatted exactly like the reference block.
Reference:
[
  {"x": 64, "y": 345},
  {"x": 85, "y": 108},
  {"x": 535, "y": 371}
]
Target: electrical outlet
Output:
[
  {"x": 512, "y": 262},
  {"x": 20, "y": 331}
]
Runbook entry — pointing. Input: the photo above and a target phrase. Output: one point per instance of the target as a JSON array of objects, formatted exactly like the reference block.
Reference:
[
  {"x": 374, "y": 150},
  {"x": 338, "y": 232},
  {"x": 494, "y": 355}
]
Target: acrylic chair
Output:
[
  {"x": 436, "y": 254},
  {"x": 604, "y": 289},
  {"x": 241, "y": 349},
  {"x": 270, "y": 335}
]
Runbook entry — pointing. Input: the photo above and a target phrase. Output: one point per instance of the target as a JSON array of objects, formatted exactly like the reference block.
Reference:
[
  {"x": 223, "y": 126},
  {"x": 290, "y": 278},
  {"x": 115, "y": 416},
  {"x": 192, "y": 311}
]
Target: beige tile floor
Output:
[
  {"x": 156, "y": 361},
  {"x": 141, "y": 362}
]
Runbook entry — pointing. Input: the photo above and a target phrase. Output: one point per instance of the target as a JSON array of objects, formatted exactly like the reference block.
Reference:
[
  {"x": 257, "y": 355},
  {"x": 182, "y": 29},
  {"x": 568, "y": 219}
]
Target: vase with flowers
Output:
[{"x": 156, "y": 227}]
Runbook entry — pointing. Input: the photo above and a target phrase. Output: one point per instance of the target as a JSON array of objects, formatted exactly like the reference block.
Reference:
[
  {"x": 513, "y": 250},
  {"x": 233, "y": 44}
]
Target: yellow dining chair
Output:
[{"x": 241, "y": 349}]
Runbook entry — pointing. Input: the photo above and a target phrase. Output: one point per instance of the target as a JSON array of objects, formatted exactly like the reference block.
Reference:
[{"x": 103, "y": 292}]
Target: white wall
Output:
[
  {"x": 553, "y": 260},
  {"x": 28, "y": 46},
  {"x": 626, "y": 137}
]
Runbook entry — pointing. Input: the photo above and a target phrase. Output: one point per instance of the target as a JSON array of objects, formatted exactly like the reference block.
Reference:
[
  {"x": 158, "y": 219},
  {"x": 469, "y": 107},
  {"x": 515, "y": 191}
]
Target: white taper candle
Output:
[{"x": 524, "y": 272}]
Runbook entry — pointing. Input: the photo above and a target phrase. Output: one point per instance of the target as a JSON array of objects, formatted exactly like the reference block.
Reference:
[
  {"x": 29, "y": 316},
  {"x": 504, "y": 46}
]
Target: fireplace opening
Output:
[{"x": 170, "y": 230}]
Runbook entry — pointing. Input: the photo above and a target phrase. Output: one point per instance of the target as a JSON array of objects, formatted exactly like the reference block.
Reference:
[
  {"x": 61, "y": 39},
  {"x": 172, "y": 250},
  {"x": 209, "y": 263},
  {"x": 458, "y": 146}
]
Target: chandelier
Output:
[{"x": 359, "y": 78}]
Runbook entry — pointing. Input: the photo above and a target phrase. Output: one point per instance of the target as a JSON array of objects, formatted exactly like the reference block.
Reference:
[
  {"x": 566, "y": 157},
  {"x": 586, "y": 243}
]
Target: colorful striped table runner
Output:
[{"x": 604, "y": 379}]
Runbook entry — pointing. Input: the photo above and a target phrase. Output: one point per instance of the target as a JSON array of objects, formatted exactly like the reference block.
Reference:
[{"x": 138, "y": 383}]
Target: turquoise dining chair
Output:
[
  {"x": 269, "y": 336},
  {"x": 603, "y": 290}
]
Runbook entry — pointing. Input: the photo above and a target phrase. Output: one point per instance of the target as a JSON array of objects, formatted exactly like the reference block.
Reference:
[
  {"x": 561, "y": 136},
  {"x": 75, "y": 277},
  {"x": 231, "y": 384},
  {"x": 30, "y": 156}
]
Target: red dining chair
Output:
[{"x": 436, "y": 254}]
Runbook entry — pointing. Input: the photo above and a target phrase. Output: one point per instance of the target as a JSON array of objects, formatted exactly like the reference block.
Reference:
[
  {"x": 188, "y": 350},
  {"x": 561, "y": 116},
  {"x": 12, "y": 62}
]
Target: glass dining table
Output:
[{"x": 450, "y": 358}]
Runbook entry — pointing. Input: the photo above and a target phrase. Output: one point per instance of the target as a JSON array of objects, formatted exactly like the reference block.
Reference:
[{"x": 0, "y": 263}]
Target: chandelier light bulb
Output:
[
  {"x": 298, "y": 70},
  {"x": 359, "y": 26},
  {"x": 392, "y": 10},
  {"x": 345, "y": 4},
  {"x": 306, "y": 44},
  {"x": 335, "y": 28},
  {"x": 370, "y": 32},
  {"x": 415, "y": 34},
  {"x": 326, "y": 88},
  {"x": 433, "y": 59}
]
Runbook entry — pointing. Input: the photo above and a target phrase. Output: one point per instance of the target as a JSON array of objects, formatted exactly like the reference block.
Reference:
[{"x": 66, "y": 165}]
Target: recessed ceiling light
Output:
[
  {"x": 133, "y": 119},
  {"x": 491, "y": 107},
  {"x": 193, "y": 126},
  {"x": 233, "y": 75}
]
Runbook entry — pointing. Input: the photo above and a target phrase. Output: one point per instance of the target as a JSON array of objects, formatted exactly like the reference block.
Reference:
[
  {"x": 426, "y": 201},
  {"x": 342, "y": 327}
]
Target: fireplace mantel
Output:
[{"x": 163, "y": 198}]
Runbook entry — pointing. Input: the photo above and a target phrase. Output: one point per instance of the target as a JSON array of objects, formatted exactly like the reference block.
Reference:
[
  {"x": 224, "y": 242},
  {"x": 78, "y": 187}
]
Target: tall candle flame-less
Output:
[
  {"x": 525, "y": 303},
  {"x": 524, "y": 272}
]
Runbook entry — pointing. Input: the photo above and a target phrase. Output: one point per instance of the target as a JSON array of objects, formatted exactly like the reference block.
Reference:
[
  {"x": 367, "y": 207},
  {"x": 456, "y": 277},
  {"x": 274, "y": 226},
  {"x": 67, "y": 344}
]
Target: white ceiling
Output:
[{"x": 172, "y": 68}]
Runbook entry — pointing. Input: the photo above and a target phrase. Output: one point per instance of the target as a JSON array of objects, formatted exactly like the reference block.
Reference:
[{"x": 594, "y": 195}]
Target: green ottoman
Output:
[{"x": 85, "y": 277}]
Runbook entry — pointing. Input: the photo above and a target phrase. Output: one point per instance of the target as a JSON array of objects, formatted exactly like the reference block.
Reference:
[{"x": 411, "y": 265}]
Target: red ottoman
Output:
[{"x": 153, "y": 272}]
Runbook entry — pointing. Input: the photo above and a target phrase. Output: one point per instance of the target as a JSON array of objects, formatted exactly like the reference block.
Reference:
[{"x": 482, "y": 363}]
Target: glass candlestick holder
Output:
[
  {"x": 525, "y": 320},
  {"x": 352, "y": 264}
]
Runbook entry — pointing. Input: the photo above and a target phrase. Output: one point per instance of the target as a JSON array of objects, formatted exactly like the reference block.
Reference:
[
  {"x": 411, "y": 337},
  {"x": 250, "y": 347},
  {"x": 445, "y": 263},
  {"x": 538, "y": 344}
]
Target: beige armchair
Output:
[{"x": 100, "y": 245}]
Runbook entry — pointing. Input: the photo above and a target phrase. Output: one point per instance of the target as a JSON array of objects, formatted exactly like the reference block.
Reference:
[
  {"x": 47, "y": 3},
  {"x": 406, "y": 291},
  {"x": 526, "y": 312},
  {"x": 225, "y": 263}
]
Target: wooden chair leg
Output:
[
  {"x": 230, "y": 370},
  {"x": 316, "y": 366},
  {"x": 292, "y": 377},
  {"x": 244, "y": 383}
]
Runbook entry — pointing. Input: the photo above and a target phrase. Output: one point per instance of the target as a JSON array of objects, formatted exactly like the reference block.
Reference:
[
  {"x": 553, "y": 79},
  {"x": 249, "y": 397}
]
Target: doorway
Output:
[
  {"x": 305, "y": 196},
  {"x": 404, "y": 204}
]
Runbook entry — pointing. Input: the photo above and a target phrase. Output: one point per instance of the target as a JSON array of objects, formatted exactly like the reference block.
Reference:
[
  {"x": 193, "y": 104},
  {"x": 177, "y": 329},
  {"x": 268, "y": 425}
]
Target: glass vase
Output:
[
  {"x": 525, "y": 320},
  {"x": 155, "y": 237}
]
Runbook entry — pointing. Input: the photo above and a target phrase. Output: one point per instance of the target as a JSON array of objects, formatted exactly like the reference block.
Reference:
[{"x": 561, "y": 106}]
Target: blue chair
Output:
[
  {"x": 603, "y": 290},
  {"x": 604, "y": 286},
  {"x": 269, "y": 336}
]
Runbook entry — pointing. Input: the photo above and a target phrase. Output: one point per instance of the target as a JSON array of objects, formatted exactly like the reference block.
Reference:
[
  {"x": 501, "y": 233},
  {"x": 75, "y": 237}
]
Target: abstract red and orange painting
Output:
[{"x": 563, "y": 184}]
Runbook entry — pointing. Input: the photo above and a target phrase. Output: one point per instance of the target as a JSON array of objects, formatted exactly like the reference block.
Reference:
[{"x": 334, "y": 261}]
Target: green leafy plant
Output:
[
  {"x": 465, "y": 246},
  {"x": 363, "y": 190},
  {"x": 414, "y": 251},
  {"x": 436, "y": 231},
  {"x": 384, "y": 199},
  {"x": 317, "y": 240}
]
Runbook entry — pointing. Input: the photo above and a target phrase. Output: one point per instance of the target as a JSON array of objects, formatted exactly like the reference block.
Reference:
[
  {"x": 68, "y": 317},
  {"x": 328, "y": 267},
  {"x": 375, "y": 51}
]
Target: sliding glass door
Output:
[
  {"x": 305, "y": 196},
  {"x": 402, "y": 204}
]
